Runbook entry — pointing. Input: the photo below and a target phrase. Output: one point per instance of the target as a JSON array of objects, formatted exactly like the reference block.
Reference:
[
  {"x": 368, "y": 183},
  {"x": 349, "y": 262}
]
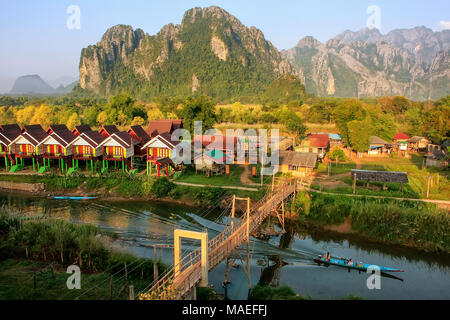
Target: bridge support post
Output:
[{"x": 203, "y": 236}]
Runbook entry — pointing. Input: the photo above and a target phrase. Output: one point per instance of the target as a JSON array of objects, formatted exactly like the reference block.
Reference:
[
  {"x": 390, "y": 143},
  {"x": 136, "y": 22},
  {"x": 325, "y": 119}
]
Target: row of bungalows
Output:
[{"x": 61, "y": 144}]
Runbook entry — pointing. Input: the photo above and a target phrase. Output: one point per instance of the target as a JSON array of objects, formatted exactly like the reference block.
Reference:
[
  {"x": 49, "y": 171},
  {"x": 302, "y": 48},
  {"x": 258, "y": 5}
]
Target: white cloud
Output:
[{"x": 445, "y": 25}]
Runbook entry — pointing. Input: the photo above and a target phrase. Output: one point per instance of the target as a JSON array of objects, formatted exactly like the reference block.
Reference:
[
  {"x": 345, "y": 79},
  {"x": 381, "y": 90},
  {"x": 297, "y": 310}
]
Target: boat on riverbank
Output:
[
  {"x": 72, "y": 198},
  {"x": 356, "y": 265}
]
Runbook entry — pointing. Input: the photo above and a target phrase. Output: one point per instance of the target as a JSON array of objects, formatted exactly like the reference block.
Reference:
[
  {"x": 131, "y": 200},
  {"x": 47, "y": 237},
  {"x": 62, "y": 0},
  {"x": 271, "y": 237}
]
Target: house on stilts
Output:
[
  {"x": 118, "y": 148},
  {"x": 28, "y": 146},
  {"x": 56, "y": 147},
  {"x": 86, "y": 147},
  {"x": 7, "y": 135},
  {"x": 159, "y": 152}
]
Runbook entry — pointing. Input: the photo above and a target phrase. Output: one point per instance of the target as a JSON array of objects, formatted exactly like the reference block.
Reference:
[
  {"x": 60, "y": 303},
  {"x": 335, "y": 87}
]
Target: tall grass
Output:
[{"x": 397, "y": 222}]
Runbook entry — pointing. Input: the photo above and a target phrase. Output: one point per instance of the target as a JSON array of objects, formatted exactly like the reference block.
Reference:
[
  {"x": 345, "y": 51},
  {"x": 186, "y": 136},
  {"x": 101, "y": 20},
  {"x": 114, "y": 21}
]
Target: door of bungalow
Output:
[{"x": 155, "y": 153}]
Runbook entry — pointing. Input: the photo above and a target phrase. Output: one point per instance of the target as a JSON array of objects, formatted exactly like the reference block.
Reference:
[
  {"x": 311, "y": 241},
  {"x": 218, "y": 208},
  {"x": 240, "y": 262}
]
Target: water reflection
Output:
[{"x": 285, "y": 259}]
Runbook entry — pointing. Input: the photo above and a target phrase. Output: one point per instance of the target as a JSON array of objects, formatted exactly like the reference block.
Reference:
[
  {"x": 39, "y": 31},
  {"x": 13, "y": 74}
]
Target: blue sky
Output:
[{"x": 35, "y": 40}]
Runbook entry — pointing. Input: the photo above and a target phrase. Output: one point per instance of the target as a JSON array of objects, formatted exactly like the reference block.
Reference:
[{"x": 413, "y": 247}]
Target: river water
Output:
[{"x": 286, "y": 259}]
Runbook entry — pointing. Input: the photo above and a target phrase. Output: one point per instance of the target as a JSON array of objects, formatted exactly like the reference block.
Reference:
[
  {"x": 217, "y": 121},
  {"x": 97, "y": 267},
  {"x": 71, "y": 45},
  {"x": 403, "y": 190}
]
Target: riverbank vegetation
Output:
[
  {"x": 35, "y": 252},
  {"x": 407, "y": 223},
  {"x": 130, "y": 186}
]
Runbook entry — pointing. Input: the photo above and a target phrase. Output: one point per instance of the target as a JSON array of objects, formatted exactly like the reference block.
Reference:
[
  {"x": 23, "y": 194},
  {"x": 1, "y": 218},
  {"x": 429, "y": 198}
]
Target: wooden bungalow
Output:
[
  {"x": 226, "y": 144},
  {"x": 8, "y": 133},
  {"x": 378, "y": 146},
  {"x": 401, "y": 141},
  {"x": 417, "y": 143},
  {"x": 86, "y": 147},
  {"x": 158, "y": 148},
  {"x": 317, "y": 143},
  {"x": 139, "y": 134},
  {"x": 56, "y": 146},
  {"x": 78, "y": 130},
  {"x": 27, "y": 145},
  {"x": 118, "y": 147},
  {"x": 106, "y": 131},
  {"x": 299, "y": 164},
  {"x": 378, "y": 176},
  {"x": 212, "y": 162},
  {"x": 156, "y": 127}
]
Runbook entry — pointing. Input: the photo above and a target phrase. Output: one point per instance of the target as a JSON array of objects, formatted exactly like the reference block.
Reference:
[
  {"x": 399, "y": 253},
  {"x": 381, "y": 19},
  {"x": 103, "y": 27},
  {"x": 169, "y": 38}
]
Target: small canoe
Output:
[
  {"x": 357, "y": 265},
  {"x": 72, "y": 198}
]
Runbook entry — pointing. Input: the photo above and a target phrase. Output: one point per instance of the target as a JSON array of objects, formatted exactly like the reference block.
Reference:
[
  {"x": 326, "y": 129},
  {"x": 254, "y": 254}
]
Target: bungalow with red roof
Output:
[
  {"x": 86, "y": 147},
  {"x": 156, "y": 127},
  {"x": 159, "y": 151},
  {"x": 7, "y": 135},
  {"x": 142, "y": 136},
  {"x": 316, "y": 143},
  {"x": 118, "y": 147},
  {"x": 401, "y": 141},
  {"x": 78, "y": 130},
  {"x": 106, "y": 131},
  {"x": 56, "y": 146},
  {"x": 27, "y": 145}
]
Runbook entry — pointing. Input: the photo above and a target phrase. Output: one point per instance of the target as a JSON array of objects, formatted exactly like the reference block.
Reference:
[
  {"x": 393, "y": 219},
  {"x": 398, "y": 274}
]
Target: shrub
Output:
[{"x": 162, "y": 187}]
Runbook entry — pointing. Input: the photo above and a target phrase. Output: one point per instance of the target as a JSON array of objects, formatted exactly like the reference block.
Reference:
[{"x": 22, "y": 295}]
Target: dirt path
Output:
[
  {"x": 214, "y": 186},
  {"x": 244, "y": 177}
]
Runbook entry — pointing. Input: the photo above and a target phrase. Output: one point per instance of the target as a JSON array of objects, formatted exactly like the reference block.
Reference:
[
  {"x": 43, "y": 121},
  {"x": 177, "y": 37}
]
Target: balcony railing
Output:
[{"x": 77, "y": 155}]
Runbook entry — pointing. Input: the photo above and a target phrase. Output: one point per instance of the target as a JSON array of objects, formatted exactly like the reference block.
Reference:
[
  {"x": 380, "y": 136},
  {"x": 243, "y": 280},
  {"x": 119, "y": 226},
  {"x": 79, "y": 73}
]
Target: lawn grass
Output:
[{"x": 233, "y": 179}]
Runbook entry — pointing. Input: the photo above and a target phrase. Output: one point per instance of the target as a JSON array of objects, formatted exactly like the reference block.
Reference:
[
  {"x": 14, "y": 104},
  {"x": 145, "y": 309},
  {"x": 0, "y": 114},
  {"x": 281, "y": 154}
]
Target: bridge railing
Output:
[{"x": 227, "y": 241}]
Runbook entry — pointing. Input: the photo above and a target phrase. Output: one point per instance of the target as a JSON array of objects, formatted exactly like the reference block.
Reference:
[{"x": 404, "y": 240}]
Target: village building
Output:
[
  {"x": 335, "y": 139},
  {"x": 156, "y": 127},
  {"x": 417, "y": 143},
  {"x": 55, "y": 147},
  {"x": 316, "y": 143},
  {"x": 142, "y": 136},
  {"x": 7, "y": 135},
  {"x": 226, "y": 144},
  {"x": 437, "y": 158},
  {"x": 78, "y": 130},
  {"x": 27, "y": 146},
  {"x": 378, "y": 146},
  {"x": 299, "y": 164},
  {"x": 86, "y": 147},
  {"x": 212, "y": 162},
  {"x": 118, "y": 147},
  {"x": 378, "y": 176},
  {"x": 106, "y": 131},
  {"x": 159, "y": 151},
  {"x": 401, "y": 141}
]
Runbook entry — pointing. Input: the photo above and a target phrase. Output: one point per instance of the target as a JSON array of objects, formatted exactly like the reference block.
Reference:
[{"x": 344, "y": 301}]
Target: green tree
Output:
[{"x": 199, "y": 109}]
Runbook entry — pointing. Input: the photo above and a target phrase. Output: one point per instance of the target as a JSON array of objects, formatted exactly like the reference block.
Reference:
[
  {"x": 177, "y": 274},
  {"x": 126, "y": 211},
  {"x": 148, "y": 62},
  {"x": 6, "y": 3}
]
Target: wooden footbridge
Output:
[{"x": 193, "y": 269}]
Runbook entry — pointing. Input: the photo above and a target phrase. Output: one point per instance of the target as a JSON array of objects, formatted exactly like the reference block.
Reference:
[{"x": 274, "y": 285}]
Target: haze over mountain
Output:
[
  {"x": 410, "y": 62},
  {"x": 34, "y": 84}
]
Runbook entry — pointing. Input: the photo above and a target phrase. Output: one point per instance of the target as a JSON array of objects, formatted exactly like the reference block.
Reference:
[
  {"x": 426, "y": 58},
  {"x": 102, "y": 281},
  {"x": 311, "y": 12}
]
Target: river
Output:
[{"x": 286, "y": 259}]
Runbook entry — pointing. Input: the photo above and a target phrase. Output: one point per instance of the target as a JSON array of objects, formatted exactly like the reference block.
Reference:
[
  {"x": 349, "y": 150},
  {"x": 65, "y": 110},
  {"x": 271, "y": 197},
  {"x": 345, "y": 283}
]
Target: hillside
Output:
[
  {"x": 410, "y": 62},
  {"x": 210, "y": 53}
]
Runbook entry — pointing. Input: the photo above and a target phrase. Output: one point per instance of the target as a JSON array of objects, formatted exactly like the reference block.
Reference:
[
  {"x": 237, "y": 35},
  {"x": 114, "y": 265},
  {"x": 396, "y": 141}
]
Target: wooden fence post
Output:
[{"x": 131, "y": 292}]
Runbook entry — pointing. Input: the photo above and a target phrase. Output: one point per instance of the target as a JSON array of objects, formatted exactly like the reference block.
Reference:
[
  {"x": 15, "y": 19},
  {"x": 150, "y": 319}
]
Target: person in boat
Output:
[
  {"x": 350, "y": 262},
  {"x": 327, "y": 257}
]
